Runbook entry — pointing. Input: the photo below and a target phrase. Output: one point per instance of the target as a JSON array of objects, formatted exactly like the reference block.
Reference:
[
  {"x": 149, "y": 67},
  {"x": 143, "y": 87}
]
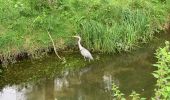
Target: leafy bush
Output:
[{"x": 162, "y": 74}]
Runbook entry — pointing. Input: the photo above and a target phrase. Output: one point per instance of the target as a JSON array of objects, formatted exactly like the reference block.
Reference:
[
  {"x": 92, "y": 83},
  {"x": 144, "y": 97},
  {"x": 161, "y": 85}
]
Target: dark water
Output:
[{"x": 46, "y": 80}]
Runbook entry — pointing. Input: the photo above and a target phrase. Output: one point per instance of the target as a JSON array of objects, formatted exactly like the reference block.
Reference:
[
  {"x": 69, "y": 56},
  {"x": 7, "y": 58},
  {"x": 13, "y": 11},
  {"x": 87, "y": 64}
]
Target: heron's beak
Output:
[{"x": 75, "y": 36}]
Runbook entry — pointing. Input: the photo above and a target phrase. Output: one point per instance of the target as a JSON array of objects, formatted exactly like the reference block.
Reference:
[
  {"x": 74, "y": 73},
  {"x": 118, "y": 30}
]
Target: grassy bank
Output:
[{"x": 105, "y": 25}]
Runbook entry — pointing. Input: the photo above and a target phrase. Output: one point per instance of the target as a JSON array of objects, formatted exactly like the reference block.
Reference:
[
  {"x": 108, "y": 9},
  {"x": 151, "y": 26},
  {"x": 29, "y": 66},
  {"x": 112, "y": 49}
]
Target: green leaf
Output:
[{"x": 155, "y": 75}]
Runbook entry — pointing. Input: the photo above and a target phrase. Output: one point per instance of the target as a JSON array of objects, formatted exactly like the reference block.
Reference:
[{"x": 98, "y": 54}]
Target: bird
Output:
[{"x": 84, "y": 52}]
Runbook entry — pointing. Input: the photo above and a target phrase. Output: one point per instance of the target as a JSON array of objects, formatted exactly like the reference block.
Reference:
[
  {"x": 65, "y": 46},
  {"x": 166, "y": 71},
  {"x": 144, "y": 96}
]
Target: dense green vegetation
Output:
[
  {"x": 162, "y": 74},
  {"x": 105, "y": 25}
]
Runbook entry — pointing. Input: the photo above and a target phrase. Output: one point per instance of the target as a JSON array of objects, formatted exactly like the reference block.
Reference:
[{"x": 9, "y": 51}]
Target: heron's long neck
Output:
[{"x": 80, "y": 47}]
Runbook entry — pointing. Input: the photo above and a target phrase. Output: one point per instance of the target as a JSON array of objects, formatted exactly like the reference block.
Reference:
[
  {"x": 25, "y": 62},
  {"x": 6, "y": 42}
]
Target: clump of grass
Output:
[{"x": 120, "y": 25}]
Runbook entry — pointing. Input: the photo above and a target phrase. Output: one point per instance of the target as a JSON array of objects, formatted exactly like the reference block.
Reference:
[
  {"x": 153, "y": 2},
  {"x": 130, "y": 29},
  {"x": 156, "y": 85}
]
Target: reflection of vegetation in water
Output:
[
  {"x": 121, "y": 69},
  {"x": 0, "y": 71},
  {"x": 162, "y": 74},
  {"x": 105, "y": 25},
  {"x": 35, "y": 70}
]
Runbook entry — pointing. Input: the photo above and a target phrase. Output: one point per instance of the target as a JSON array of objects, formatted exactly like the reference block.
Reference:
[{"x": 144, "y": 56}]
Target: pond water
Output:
[{"x": 85, "y": 81}]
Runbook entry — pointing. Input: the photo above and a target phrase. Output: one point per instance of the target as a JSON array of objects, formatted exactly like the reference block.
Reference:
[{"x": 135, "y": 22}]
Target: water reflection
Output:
[
  {"x": 108, "y": 80},
  {"x": 12, "y": 93},
  {"x": 60, "y": 83},
  {"x": 69, "y": 86},
  {"x": 93, "y": 82}
]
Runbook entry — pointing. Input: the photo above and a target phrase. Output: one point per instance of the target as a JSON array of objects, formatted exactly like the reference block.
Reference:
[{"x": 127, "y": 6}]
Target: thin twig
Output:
[{"x": 54, "y": 46}]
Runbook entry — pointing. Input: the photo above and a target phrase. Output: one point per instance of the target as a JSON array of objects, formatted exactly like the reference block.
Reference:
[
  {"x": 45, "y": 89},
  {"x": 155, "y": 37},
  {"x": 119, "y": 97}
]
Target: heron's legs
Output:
[
  {"x": 85, "y": 58},
  {"x": 89, "y": 60}
]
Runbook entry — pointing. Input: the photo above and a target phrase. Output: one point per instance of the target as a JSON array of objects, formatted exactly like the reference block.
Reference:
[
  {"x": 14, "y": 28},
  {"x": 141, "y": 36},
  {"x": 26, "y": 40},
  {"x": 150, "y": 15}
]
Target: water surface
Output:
[{"x": 76, "y": 79}]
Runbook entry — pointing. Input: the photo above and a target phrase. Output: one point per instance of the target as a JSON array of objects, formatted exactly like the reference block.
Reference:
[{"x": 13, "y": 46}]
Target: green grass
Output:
[{"x": 105, "y": 25}]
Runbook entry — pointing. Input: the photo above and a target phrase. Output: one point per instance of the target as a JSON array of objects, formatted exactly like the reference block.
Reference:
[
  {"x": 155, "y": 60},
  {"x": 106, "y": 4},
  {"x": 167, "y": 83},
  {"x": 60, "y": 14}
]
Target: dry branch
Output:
[{"x": 54, "y": 46}]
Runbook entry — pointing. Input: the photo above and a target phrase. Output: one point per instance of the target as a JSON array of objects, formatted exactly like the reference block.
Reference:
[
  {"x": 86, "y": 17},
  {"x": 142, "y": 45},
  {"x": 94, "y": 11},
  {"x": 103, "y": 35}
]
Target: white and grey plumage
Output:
[{"x": 84, "y": 52}]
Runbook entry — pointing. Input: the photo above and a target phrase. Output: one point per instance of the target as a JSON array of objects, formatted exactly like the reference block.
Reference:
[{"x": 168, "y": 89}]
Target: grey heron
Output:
[{"x": 84, "y": 52}]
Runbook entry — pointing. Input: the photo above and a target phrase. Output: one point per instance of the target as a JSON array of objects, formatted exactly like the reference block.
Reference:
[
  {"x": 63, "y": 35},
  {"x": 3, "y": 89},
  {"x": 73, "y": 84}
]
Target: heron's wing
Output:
[{"x": 86, "y": 53}]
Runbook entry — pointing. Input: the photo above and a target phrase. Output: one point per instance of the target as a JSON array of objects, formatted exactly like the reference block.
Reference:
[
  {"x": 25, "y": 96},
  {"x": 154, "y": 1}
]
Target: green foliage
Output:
[
  {"x": 116, "y": 93},
  {"x": 134, "y": 96},
  {"x": 120, "y": 96},
  {"x": 162, "y": 74},
  {"x": 105, "y": 25}
]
